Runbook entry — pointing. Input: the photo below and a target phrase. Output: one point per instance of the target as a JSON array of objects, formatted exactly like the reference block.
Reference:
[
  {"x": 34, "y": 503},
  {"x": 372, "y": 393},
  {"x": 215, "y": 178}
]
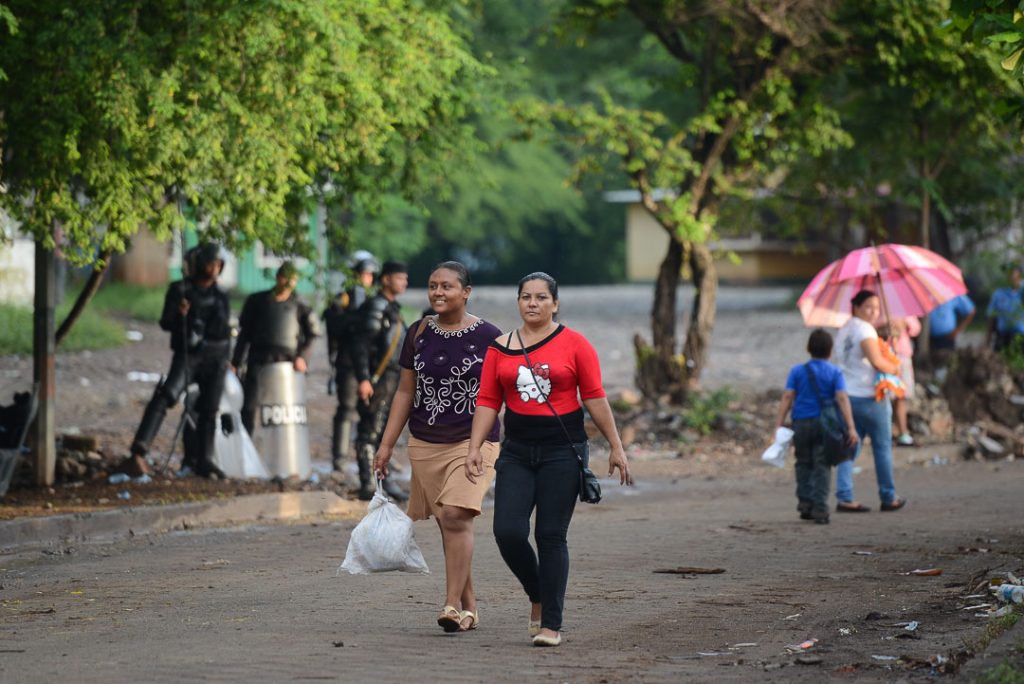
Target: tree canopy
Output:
[
  {"x": 930, "y": 116},
  {"x": 740, "y": 99},
  {"x": 115, "y": 114}
]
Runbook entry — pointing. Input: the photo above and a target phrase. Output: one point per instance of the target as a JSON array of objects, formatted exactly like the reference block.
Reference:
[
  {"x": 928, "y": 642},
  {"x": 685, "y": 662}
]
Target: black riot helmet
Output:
[
  {"x": 366, "y": 265},
  {"x": 200, "y": 256}
]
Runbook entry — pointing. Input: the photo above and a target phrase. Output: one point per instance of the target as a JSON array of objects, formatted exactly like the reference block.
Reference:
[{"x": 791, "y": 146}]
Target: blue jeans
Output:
[
  {"x": 546, "y": 478},
  {"x": 873, "y": 419}
]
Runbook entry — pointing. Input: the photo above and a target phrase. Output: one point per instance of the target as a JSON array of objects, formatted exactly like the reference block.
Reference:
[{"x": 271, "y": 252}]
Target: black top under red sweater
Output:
[{"x": 567, "y": 370}]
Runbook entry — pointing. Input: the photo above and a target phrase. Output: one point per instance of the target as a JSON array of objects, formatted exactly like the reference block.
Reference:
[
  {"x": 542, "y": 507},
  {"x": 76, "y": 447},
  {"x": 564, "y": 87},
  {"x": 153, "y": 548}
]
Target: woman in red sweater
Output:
[{"x": 538, "y": 467}]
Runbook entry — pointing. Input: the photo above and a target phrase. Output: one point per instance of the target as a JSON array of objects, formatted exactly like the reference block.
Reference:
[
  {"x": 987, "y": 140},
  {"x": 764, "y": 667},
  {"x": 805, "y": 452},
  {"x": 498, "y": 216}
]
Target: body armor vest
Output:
[{"x": 279, "y": 329}]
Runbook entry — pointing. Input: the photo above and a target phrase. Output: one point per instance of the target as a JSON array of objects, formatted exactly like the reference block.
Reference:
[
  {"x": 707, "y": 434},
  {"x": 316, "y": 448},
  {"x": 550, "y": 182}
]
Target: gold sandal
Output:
[
  {"x": 468, "y": 615},
  {"x": 450, "y": 619}
]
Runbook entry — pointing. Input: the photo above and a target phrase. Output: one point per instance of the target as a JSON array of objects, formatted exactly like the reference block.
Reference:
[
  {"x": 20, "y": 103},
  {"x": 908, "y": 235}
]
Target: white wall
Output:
[{"x": 17, "y": 266}]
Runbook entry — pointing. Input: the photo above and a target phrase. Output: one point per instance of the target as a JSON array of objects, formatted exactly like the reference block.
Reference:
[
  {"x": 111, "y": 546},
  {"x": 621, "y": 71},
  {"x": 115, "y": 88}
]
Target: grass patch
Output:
[
  {"x": 134, "y": 301},
  {"x": 1004, "y": 673},
  {"x": 703, "y": 411},
  {"x": 621, "y": 405},
  {"x": 1014, "y": 354},
  {"x": 91, "y": 331},
  {"x": 995, "y": 628}
]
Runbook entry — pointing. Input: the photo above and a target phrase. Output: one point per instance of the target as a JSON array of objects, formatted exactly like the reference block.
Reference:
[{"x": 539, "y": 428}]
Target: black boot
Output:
[
  {"x": 152, "y": 418},
  {"x": 341, "y": 441},
  {"x": 366, "y": 484}
]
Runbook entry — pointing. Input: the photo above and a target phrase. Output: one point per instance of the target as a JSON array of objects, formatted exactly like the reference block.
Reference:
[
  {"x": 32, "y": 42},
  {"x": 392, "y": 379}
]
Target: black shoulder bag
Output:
[
  {"x": 590, "y": 486},
  {"x": 832, "y": 426}
]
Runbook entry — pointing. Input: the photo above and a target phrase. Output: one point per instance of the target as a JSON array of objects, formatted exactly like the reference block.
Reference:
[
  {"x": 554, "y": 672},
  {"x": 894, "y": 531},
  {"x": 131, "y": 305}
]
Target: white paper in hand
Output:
[
  {"x": 775, "y": 455},
  {"x": 383, "y": 541}
]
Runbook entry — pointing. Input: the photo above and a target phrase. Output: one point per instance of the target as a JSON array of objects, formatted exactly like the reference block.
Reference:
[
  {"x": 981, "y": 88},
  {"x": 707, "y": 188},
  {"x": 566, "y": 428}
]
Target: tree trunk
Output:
[
  {"x": 91, "y": 286},
  {"x": 702, "y": 316},
  {"x": 923, "y": 340},
  {"x": 660, "y": 372},
  {"x": 43, "y": 368}
]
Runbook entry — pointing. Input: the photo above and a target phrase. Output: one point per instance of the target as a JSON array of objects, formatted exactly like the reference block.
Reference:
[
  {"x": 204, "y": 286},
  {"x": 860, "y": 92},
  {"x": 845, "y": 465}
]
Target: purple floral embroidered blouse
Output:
[{"x": 447, "y": 365}]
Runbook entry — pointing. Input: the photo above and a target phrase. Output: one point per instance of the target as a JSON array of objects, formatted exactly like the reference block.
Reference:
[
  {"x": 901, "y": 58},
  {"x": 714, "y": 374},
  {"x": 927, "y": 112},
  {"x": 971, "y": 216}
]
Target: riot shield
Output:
[{"x": 281, "y": 429}]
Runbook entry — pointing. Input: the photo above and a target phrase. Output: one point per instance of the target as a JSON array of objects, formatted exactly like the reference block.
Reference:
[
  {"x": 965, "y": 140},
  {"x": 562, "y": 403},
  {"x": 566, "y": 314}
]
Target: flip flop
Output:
[
  {"x": 534, "y": 628},
  {"x": 851, "y": 507},
  {"x": 450, "y": 619}
]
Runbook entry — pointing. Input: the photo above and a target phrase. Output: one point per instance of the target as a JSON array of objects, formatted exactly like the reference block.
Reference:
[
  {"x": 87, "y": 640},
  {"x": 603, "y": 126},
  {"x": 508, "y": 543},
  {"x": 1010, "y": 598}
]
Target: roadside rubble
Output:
[
  {"x": 987, "y": 397},
  {"x": 995, "y": 594}
]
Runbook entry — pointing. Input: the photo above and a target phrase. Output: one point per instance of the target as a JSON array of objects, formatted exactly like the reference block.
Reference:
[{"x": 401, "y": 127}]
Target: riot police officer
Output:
[
  {"x": 275, "y": 325},
  {"x": 340, "y": 321},
  {"x": 374, "y": 354},
  {"x": 197, "y": 315}
]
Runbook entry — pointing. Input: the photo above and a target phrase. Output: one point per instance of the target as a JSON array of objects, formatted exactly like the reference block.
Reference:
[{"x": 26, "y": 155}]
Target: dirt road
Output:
[{"x": 264, "y": 603}]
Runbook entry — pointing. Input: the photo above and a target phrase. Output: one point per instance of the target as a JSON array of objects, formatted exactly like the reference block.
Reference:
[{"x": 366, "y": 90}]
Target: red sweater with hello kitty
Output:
[{"x": 566, "y": 369}]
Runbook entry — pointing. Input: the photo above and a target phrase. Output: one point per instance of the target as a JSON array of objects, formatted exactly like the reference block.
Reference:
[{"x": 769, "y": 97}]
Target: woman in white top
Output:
[{"x": 860, "y": 358}]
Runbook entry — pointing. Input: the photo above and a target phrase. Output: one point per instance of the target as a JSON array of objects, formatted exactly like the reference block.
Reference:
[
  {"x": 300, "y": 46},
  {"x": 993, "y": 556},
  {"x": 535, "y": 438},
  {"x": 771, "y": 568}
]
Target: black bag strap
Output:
[
  {"x": 814, "y": 385},
  {"x": 529, "y": 365}
]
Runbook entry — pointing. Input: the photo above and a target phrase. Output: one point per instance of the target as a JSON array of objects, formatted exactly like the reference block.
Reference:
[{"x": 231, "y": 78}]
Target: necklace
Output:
[{"x": 457, "y": 332}]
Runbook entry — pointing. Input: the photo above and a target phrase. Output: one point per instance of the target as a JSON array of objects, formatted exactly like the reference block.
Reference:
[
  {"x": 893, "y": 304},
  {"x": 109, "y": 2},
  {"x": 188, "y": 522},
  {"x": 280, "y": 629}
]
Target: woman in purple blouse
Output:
[{"x": 441, "y": 362}]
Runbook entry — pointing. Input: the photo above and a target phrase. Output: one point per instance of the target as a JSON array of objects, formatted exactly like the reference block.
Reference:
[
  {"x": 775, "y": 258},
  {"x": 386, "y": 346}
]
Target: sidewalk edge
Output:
[{"x": 129, "y": 521}]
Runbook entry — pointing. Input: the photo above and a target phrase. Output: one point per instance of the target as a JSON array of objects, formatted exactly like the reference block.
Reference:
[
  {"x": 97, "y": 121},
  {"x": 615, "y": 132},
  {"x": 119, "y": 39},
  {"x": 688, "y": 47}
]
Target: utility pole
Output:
[{"x": 43, "y": 365}]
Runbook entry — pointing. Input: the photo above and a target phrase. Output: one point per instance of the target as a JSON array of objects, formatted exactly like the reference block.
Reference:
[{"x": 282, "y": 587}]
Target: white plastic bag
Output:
[
  {"x": 383, "y": 541},
  {"x": 234, "y": 453},
  {"x": 775, "y": 455}
]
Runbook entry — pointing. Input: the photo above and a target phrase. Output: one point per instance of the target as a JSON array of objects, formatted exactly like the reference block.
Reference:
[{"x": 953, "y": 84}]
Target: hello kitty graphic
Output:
[{"x": 528, "y": 388}]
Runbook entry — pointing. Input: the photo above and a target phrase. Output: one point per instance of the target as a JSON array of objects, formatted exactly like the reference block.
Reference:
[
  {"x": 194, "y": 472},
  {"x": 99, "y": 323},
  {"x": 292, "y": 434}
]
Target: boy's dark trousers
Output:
[{"x": 813, "y": 472}]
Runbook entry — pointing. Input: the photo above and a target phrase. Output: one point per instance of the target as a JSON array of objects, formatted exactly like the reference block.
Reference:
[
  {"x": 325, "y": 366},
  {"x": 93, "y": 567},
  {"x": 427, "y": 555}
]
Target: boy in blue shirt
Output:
[
  {"x": 1006, "y": 310},
  {"x": 813, "y": 470},
  {"x": 945, "y": 323}
]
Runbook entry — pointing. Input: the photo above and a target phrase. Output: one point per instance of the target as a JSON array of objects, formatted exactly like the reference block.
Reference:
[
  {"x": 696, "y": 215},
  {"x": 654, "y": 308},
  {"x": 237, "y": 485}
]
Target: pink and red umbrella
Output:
[{"x": 911, "y": 281}]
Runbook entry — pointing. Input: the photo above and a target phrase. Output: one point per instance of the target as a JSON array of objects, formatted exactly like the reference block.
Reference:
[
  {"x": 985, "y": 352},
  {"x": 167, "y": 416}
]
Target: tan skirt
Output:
[{"x": 439, "y": 477}]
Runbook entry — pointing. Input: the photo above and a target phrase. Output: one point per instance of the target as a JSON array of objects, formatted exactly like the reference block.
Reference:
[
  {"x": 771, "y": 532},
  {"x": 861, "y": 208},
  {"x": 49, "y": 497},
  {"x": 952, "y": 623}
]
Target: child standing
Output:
[{"x": 813, "y": 470}]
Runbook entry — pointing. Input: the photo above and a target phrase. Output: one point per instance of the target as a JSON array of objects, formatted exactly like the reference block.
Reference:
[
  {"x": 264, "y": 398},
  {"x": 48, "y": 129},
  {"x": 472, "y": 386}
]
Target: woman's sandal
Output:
[
  {"x": 450, "y": 619},
  {"x": 534, "y": 628},
  {"x": 545, "y": 640},
  {"x": 468, "y": 615}
]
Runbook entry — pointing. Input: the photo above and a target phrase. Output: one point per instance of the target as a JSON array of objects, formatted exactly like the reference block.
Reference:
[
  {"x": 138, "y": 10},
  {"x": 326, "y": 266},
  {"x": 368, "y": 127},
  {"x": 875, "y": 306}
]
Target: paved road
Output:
[{"x": 263, "y": 604}]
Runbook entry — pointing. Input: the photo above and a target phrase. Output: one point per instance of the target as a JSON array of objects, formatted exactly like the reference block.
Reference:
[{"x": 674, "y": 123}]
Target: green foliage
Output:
[
  {"x": 394, "y": 228},
  {"x": 134, "y": 301},
  {"x": 1004, "y": 673},
  {"x": 745, "y": 103},
  {"x": 1014, "y": 354},
  {"x": 92, "y": 331},
  {"x": 704, "y": 411},
  {"x": 996, "y": 627},
  {"x": 999, "y": 23},
  {"x": 9, "y": 25},
  {"x": 508, "y": 210},
  {"x": 114, "y": 117},
  {"x": 511, "y": 197},
  {"x": 928, "y": 116},
  {"x": 621, "y": 405}
]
